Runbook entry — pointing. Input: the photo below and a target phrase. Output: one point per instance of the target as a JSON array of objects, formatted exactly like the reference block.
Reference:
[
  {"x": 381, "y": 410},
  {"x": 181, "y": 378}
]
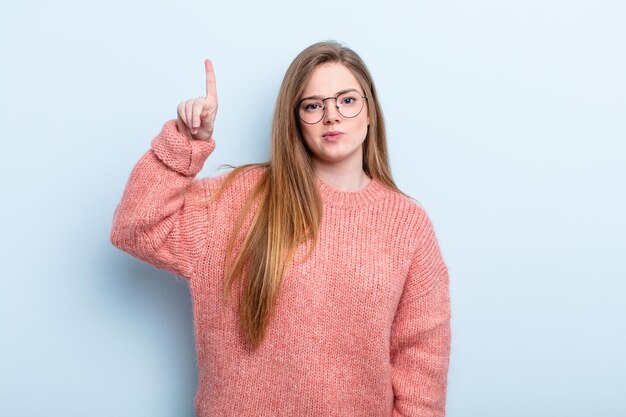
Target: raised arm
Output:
[{"x": 157, "y": 219}]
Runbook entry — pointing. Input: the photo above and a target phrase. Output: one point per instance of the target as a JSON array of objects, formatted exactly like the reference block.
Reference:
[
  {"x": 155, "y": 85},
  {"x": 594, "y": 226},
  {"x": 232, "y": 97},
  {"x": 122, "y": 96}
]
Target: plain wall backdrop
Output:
[{"x": 506, "y": 121}]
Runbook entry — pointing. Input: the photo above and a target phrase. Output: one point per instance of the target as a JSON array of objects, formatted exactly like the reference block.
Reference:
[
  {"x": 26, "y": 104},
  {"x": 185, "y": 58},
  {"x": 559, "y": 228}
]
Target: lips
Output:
[{"x": 333, "y": 134}]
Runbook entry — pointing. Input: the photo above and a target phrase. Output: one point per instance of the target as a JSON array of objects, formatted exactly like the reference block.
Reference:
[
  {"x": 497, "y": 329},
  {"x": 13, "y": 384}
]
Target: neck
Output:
[{"x": 342, "y": 178}]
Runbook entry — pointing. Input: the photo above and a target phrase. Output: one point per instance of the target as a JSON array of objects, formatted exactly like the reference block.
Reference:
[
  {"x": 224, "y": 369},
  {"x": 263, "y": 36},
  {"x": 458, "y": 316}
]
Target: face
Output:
[{"x": 344, "y": 148}]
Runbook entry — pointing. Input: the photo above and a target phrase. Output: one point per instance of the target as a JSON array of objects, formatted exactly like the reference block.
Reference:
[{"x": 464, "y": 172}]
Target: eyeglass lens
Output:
[{"x": 349, "y": 104}]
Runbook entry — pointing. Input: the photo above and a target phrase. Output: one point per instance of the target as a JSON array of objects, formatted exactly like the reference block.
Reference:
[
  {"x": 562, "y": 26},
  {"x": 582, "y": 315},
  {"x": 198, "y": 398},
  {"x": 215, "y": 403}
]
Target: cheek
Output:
[
  {"x": 307, "y": 133},
  {"x": 364, "y": 125}
]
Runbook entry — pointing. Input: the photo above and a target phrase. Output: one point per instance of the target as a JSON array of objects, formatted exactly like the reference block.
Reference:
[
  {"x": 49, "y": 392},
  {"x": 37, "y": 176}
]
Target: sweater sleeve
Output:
[
  {"x": 157, "y": 220},
  {"x": 420, "y": 335}
]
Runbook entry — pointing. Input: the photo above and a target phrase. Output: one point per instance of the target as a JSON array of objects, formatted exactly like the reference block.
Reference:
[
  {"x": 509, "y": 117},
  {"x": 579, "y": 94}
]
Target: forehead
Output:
[{"x": 328, "y": 79}]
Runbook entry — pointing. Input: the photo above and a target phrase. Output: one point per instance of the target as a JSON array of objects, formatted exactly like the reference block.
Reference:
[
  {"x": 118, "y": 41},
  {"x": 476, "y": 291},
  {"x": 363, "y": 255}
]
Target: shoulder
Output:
[
  {"x": 235, "y": 185},
  {"x": 403, "y": 206},
  {"x": 412, "y": 219}
]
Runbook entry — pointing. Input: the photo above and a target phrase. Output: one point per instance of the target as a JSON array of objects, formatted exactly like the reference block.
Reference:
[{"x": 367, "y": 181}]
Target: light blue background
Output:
[{"x": 506, "y": 120}]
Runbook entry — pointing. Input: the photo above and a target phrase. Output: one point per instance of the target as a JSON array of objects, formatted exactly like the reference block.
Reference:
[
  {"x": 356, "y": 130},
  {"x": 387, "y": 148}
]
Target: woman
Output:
[{"x": 341, "y": 303}]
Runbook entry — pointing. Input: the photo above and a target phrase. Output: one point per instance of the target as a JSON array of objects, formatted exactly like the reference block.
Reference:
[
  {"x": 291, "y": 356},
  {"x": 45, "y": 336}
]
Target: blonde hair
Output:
[{"x": 290, "y": 208}]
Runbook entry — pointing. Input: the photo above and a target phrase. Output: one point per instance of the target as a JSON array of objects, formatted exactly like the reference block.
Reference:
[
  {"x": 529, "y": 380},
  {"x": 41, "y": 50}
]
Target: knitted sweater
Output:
[{"x": 362, "y": 328}]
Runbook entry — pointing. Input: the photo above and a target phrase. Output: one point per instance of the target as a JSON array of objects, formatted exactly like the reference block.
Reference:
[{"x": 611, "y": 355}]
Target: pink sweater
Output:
[{"x": 362, "y": 328}]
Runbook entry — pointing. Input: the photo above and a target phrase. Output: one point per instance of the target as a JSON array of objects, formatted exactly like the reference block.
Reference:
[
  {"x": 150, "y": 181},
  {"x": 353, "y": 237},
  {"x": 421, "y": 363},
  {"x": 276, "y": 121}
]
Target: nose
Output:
[{"x": 331, "y": 113}]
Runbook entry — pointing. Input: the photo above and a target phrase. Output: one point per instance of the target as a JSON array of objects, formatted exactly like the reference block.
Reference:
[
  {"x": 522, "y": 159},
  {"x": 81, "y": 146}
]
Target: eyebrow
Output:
[{"x": 338, "y": 93}]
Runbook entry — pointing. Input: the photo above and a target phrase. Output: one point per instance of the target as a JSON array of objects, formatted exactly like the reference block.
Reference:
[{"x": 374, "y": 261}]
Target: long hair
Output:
[{"x": 290, "y": 207}]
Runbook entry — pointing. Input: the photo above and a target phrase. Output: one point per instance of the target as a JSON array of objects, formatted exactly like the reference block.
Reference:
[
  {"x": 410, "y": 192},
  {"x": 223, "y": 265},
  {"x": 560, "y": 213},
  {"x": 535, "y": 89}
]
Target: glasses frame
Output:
[{"x": 336, "y": 106}]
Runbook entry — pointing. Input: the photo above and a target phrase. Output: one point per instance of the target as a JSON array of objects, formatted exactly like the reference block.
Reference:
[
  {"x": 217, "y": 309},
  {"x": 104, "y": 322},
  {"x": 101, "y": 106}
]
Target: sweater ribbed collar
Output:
[{"x": 373, "y": 191}]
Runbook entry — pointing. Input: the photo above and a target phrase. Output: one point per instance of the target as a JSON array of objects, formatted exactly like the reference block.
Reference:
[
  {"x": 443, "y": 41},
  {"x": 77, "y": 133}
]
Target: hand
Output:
[{"x": 196, "y": 118}]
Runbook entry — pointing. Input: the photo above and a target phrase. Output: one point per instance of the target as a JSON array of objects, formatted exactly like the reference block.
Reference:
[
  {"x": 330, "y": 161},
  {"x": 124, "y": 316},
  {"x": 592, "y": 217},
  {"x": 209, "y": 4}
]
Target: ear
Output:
[{"x": 368, "y": 120}]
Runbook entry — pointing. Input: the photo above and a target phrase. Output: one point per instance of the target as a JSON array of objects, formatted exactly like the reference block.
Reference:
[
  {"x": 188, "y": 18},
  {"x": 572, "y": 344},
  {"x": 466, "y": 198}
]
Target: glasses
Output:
[{"x": 349, "y": 104}]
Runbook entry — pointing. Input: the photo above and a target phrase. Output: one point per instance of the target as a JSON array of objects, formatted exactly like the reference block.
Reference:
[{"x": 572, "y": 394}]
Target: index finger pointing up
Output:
[{"x": 211, "y": 91}]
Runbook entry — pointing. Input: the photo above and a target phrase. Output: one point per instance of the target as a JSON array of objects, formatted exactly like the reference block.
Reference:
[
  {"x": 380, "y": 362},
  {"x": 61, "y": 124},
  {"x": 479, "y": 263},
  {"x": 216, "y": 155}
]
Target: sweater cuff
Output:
[{"x": 180, "y": 153}]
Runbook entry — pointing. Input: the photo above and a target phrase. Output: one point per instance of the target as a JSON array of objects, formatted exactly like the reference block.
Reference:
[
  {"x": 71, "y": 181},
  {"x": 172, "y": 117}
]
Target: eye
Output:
[
  {"x": 350, "y": 100},
  {"x": 311, "y": 106}
]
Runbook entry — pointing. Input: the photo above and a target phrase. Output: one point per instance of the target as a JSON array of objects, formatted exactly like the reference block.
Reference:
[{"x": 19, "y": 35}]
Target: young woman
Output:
[{"x": 318, "y": 287}]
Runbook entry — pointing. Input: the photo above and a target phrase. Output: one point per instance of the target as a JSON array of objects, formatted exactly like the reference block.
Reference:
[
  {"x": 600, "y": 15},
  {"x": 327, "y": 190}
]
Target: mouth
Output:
[{"x": 332, "y": 135}]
